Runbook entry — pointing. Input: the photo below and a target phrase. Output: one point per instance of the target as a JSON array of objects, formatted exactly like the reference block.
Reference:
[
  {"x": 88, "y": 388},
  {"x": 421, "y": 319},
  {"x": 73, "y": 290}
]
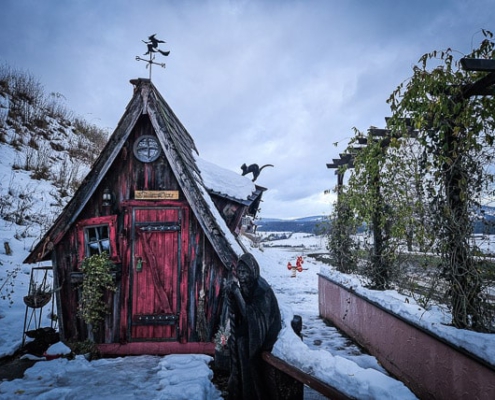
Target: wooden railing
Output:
[
  {"x": 303, "y": 378},
  {"x": 428, "y": 364}
]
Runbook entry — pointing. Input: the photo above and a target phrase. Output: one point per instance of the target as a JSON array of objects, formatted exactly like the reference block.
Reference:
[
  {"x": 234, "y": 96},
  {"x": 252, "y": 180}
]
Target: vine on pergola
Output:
[
  {"x": 454, "y": 115},
  {"x": 381, "y": 194}
]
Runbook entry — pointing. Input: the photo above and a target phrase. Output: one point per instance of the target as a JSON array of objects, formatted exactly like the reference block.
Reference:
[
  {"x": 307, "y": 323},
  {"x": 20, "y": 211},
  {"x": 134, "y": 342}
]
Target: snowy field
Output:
[{"x": 324, "y": 352}]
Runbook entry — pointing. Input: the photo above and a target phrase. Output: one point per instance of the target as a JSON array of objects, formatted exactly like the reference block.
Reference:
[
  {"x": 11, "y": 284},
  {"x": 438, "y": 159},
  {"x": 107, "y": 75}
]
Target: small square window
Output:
[
  {"x": 97, "y": 240},
  {"x": 97, "y": 235}
]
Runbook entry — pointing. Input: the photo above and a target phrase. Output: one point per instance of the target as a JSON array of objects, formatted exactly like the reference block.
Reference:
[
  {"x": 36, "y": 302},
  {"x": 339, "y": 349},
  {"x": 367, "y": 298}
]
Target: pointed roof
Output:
[{"x": 183, "y": 157}]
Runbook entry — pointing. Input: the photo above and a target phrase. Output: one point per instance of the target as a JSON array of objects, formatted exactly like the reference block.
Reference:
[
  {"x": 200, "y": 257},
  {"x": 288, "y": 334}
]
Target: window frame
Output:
[{"x": 82, "y": 234}]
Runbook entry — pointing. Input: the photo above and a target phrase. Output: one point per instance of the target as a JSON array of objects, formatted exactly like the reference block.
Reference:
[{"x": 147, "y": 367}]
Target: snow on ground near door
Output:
[{"x": 323, "y": 351}]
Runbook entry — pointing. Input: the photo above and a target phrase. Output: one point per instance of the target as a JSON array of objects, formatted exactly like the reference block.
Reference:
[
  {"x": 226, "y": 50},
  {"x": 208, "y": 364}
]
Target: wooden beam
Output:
[
  {"x": 478, "y": 64},
  {"x": 483, "y": 92},
  {"x": 346, "y": 157},
  {"x": 350, "y": 164},
  {"x": 314, "y": 383},
  {"x": 406, "y": 120},
  {"x": 387, "y": 133},
  {"x": 340, "y": 161},
  {"x": 379, "y": 132},
  {"x": 481, "y": 84}
]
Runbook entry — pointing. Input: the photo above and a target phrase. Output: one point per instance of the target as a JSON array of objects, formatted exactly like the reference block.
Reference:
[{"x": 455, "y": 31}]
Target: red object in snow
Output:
[
  {"x": 298, "y": 267},
  {"x": 50, "y": 357},
  {"x": 299, "y": 263}
]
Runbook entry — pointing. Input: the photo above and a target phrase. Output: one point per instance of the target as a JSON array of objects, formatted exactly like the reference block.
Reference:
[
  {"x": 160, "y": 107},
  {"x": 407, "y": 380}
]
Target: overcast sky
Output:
[{"x": 266, "y": 82}]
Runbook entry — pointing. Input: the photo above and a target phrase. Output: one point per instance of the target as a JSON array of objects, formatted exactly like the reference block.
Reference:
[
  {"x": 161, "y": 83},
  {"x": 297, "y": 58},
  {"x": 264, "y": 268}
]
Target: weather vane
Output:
[{"x": 152, "y": 44}]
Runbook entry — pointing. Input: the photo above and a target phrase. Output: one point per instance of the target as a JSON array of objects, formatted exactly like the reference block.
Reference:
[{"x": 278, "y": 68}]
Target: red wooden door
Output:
[{"x": 156, "y": 259}]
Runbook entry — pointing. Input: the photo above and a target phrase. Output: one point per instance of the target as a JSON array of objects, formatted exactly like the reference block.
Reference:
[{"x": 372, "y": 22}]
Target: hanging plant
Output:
[{"x": 97, "y": 279}]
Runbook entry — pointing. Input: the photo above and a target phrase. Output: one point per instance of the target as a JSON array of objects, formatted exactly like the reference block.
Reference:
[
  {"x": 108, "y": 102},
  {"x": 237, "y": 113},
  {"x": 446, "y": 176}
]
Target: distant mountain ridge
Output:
[
  {"x": 485, "y": 224},
  {"x": 315, "y": 224}
]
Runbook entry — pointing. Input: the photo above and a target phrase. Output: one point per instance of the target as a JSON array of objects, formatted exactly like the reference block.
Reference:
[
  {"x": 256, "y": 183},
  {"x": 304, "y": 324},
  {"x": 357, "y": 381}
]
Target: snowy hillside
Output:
[{"x": 45, "y": 154}]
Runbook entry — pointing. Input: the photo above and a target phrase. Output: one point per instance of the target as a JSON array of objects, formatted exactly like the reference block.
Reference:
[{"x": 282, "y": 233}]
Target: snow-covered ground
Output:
[
  {"x": 173, "y": 377},
  {"x": 323, "y": 351}
]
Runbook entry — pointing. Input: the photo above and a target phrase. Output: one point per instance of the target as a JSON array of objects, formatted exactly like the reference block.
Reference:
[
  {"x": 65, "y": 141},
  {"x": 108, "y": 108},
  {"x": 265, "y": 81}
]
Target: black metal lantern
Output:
[{"x": 107, "y": 198}]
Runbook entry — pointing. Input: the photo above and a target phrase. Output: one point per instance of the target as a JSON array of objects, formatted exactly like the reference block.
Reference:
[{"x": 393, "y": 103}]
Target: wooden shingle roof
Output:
[{"x": 181, "y": 153}]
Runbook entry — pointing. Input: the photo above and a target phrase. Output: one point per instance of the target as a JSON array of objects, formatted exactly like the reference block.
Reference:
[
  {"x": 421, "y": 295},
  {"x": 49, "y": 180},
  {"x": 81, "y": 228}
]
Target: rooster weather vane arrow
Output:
[{"x": 152, "y": 45}]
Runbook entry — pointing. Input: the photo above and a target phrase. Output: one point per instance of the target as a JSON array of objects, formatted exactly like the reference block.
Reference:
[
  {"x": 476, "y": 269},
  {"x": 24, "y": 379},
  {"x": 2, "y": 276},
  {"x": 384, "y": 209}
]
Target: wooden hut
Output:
[{"x": 169, "y": 227}]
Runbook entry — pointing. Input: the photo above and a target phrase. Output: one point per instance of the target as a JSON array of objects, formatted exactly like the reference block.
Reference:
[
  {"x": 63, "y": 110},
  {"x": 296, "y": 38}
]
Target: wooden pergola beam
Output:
[
  {"x": 377, "y": 132},
  {"x": 483, "y": 86},
  {"x": 480, "y": 86},
  {"x": 478, "y": 64}
]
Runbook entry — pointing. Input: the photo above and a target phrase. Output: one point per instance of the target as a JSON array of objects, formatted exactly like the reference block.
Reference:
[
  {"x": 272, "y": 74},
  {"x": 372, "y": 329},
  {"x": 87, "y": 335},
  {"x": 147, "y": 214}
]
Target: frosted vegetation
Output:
[
  {"x": 47, "y": 141},
  {"x": 423, "y": 185}
]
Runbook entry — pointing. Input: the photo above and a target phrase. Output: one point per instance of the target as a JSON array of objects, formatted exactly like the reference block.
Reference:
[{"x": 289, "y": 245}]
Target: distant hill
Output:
[
  {"x": 313, "y": 225},
  {"x": 485, "y": 223}
]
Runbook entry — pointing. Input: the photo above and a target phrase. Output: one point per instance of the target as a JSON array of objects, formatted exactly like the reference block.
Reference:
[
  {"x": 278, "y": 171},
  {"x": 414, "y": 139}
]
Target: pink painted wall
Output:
[{"x": 431, "y": 368}]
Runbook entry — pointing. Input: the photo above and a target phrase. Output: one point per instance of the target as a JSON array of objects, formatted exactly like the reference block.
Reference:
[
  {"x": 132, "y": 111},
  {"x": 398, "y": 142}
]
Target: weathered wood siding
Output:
[{"x": 199, "y": 279}]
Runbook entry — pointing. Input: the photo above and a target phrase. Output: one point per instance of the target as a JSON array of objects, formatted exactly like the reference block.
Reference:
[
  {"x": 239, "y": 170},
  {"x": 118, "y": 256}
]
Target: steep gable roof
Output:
[{"x": 182, "y": 155}]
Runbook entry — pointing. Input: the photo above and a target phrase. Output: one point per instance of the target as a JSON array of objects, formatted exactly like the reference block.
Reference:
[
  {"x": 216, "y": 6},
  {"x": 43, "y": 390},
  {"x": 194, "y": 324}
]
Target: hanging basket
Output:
[{"x": 38, "y": 300}]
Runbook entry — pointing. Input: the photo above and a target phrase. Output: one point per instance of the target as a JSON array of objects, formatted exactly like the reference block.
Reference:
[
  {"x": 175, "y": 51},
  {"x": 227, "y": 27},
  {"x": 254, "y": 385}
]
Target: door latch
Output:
[{"x": 139, "y": 263}]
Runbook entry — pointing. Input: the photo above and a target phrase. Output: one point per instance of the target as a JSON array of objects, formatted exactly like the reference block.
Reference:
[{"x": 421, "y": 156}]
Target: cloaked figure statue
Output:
[{"x": 255, "y": 323}]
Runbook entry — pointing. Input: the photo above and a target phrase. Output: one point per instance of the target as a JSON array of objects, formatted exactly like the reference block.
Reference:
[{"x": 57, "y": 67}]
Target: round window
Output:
[{"x": 147, "y": 149}]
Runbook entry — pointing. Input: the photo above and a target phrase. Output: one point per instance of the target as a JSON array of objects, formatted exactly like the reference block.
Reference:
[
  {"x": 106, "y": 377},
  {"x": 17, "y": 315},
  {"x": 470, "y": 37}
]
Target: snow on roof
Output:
[
  {"x": 224, "y": 181},
  {"x": 211, "y": 168}
]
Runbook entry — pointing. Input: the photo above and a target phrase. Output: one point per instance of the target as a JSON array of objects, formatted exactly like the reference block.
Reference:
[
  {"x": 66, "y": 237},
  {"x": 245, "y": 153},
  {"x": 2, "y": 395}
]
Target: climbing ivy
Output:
[
  {"x": 381, "y": 193},
  {"x": 340, "y": 239},
  {"x": 456, "y": 135},
  {"x": 97, "y": 279},
  {"x": 425, "y": 190}
]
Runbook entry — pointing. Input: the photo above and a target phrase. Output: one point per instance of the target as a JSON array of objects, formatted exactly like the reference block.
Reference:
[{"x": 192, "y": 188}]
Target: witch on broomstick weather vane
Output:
[{"x": 152, "y": 44}]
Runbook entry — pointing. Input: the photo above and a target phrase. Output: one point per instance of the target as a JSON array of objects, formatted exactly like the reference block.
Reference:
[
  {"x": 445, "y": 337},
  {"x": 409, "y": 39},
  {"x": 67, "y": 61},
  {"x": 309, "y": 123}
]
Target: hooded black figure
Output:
[{"x": 255, "y": 323}]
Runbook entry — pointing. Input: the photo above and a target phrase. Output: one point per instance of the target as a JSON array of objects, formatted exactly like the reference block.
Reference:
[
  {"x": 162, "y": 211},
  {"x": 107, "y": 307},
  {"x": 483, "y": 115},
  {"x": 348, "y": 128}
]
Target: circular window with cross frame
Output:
[{"x": 147, "y": 149}]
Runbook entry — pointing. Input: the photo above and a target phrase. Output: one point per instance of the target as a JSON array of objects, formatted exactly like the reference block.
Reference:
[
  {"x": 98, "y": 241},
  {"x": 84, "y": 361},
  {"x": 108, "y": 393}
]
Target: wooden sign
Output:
[{"x": 156, "y": 195}]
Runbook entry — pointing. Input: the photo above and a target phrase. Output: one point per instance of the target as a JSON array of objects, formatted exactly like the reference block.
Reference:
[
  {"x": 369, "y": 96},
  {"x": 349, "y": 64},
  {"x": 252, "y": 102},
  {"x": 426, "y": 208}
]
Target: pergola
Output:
[{"x": 485, "y": 86}]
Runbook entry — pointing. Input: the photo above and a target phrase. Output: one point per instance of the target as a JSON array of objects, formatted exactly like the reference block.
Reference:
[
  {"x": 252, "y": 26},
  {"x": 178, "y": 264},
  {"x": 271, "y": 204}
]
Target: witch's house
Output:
[{"x": 169, "y": 222}]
